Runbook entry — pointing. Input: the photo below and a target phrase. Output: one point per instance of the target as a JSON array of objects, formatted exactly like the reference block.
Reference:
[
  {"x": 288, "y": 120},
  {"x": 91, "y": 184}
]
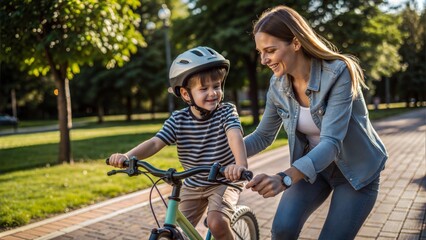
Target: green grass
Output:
[
  {"x": 383, "y": 113},
  {"x": 33, "y": 187},
  {"x": 41, "y": 188}
]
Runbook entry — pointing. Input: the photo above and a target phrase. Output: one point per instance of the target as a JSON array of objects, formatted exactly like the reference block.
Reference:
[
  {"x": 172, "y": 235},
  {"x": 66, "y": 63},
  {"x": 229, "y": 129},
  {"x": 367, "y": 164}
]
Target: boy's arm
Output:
[
  {"x": 236, "y": 143},
  {"x": 142, "y": 151},
  {"x": 147, "y": 148}
]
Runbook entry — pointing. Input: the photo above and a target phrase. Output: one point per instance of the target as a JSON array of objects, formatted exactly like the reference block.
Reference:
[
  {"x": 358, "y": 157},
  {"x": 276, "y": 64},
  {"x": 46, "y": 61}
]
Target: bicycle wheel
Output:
[{"x": 244, "y": 224}]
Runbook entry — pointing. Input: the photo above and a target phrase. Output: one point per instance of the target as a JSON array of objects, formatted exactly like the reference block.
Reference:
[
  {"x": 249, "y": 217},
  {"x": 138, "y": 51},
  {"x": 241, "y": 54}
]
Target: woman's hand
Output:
[
  {"x": 233, "y": 172},
  {"x": 265, "y": 185},
  {"x": 117, "y": 159}
]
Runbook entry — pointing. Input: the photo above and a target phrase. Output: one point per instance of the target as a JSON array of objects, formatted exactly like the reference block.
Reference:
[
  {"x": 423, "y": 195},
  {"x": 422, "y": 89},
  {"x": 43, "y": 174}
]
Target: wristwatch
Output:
[{"x": 286, "y": 179}]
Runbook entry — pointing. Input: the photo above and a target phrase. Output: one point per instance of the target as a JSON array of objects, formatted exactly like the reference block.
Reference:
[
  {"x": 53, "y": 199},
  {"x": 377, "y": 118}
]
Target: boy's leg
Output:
[
  {"x": 219, "y": 225},
  {"x": 193, "y": 203},
  {"x": 222, "y": 204}
]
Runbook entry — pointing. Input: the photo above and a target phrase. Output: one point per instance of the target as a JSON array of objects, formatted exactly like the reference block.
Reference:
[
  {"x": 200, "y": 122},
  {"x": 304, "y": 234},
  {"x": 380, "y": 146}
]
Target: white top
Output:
[{"x": 306, "y": 125}]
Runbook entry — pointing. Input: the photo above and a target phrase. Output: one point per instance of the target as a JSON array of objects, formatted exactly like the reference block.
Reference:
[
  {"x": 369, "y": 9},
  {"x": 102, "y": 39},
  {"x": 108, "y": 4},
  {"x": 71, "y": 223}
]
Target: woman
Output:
[{"x": 315, "y": 94}]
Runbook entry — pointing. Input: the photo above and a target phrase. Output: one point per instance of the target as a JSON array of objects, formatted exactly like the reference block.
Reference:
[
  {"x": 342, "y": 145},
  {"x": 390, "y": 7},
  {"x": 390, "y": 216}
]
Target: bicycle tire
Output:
[{"x": 244, "y": 224}]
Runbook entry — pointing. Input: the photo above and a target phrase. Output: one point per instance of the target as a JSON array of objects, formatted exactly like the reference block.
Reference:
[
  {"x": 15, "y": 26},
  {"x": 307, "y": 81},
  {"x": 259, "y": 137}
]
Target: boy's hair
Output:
[{"x": 206, "y": 75}]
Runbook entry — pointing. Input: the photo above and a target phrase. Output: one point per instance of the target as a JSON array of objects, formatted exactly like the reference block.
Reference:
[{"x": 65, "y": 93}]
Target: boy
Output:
[{"x": 207, "y": 131}]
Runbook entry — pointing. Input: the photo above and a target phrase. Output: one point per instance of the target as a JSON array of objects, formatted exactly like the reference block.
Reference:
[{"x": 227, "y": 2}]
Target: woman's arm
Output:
[{"x": 266, "y": 131}]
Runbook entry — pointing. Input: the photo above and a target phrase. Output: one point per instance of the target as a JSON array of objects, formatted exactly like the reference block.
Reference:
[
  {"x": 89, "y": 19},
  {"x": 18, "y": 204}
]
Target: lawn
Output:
[{"x": 33, "y": 186}]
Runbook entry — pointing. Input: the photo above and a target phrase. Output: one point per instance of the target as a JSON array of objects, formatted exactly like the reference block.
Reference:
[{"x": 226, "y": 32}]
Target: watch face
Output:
[{"x": 287, "y": 181}]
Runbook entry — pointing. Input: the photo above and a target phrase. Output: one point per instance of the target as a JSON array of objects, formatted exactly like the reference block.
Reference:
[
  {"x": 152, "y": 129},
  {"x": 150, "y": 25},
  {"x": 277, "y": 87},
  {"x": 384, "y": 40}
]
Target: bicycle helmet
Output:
[{"x": 192, "y": 61}]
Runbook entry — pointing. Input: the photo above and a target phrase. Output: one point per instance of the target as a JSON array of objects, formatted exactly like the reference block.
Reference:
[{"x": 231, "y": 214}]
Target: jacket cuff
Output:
[{"x": 306, "y": 166}]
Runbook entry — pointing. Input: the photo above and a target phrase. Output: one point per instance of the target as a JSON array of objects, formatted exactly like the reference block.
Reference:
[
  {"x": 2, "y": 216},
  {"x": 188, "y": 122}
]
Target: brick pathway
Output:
[{"x": 399, "y": 212}]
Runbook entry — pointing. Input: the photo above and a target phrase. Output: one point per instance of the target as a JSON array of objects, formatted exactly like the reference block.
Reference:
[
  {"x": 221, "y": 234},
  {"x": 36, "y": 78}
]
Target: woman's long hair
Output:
[{"x": 285, "y": 23}]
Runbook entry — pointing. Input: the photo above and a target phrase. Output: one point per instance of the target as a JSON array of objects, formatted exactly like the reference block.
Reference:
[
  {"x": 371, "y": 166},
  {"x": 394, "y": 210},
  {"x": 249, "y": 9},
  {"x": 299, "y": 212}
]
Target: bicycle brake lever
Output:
[
  {"x": 247, "y": 175},
  {"x": 112, "y": 172},
  {"x": 214, "y": 172}
]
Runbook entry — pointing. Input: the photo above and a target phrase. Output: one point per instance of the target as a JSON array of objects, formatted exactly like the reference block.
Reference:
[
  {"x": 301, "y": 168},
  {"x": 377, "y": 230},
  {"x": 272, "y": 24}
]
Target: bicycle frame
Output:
[{"x": 173, "y": 215}]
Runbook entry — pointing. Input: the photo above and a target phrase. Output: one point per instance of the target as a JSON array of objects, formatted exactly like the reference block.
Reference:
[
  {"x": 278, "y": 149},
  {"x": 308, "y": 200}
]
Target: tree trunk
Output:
[
  {"x": 100, "y": 112},
  {"x": 254, "y": 100},
  {"x": 65, "y": 122},
  {"x": 152, "y": 108},
  {"x": 128, "y": 108},
  {"x": 14, "y": 109},
  {"x": 64, "y": 108}
]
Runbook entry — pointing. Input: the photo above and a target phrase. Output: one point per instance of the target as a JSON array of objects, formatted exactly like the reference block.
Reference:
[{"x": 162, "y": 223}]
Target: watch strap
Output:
[{"x": 283, "y": 175}]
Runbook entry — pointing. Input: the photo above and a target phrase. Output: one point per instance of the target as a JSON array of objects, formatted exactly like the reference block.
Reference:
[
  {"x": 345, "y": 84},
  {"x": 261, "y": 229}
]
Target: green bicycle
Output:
[{"x": 176, "y": 226}]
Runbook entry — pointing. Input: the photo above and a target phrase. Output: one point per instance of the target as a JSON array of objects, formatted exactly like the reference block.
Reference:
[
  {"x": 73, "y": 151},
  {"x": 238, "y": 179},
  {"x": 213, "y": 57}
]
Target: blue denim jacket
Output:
[{"x": 347, "y": 136}]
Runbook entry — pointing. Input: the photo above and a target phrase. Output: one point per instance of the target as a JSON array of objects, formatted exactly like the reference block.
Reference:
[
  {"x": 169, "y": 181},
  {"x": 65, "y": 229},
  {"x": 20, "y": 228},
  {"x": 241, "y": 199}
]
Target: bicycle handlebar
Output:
[{"x": 172, "y": 175}]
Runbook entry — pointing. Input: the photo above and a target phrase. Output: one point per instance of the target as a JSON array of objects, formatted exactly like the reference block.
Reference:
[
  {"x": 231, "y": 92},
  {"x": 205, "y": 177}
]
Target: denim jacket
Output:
[{"x": 346, "y": 134}]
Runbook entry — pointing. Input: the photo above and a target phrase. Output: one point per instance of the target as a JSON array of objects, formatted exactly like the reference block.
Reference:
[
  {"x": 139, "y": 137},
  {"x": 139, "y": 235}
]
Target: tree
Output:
[
  {"x": 412, "y": 78},
  {"x": 142, "y": 78},
  {"x": 360, "y": 28},
  {"x": 226, "y": 26},
  {"x": 58, "y": 37},
  {"x": 32, "y": 95}
]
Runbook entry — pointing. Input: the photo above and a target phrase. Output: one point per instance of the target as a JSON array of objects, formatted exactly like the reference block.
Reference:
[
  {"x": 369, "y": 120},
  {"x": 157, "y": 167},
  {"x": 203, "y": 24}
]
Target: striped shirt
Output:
[{"x": 201, "y": 142}]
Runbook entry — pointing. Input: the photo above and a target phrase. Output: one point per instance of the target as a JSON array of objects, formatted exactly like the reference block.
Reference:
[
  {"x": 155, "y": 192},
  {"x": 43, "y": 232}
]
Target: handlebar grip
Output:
[
  {"x": 125, "y": 163},
  {"x": 245, "y": 175}
]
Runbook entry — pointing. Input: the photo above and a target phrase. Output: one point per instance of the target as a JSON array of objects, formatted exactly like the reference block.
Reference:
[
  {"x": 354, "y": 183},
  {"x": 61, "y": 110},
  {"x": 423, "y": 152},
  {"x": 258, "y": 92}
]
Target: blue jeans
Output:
[{"x": 348, "y": 208}]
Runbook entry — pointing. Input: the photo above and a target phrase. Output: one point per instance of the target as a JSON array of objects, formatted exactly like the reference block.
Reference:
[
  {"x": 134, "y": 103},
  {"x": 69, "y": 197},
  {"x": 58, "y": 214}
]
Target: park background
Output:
[{"x": 98, "y": 71}]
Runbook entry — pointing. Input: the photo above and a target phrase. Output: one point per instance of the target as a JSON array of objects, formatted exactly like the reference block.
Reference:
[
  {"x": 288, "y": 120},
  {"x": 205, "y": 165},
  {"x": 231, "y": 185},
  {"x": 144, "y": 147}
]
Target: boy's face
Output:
[{"x": 206, "y": 94}]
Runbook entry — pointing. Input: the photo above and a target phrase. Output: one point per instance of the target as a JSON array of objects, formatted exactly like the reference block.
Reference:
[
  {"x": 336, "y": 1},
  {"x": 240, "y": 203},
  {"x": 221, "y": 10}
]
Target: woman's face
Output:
[{"x": 278, "y": 55}]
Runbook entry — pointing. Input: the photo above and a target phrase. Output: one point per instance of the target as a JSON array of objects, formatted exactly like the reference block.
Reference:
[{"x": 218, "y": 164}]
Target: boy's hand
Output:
[
  {"x": 117, "y": 159},
  {"x": 233, "y": 172}
]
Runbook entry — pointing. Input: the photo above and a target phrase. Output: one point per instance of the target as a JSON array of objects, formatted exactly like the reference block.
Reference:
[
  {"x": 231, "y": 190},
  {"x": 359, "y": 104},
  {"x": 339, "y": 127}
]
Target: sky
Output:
[{"x": 420, "y": 3}]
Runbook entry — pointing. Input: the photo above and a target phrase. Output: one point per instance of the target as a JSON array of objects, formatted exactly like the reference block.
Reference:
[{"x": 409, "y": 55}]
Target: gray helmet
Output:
[{"x": 192, "y": 61}]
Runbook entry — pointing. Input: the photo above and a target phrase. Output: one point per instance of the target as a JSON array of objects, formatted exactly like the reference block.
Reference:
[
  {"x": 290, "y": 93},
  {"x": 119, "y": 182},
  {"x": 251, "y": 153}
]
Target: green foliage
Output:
[
  {"x": 74, "y": 33},
  {"x": 143, "y": 78},
  {"x": 61, "y": 36},
  {"x": 412, "y": 78},
  {"x": 361, "y": 29},
  {"x": 32, "y": 93}
]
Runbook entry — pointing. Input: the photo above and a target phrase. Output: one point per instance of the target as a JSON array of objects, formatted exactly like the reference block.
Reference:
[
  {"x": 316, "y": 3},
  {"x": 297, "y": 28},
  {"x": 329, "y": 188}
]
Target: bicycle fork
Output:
[{"x": 174, "y": 216}]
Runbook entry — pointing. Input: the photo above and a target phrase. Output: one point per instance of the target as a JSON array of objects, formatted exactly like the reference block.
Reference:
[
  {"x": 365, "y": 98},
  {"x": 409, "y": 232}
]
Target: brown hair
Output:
[
  {"x": 207, "y": 75},
  {"x": 286, "y": 24}
]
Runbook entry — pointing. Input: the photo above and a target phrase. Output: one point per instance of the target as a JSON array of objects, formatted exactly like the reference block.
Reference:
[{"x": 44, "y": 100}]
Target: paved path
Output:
[
  {"x": 399, "y": 212},
  {"x": 54, "y": 127}
]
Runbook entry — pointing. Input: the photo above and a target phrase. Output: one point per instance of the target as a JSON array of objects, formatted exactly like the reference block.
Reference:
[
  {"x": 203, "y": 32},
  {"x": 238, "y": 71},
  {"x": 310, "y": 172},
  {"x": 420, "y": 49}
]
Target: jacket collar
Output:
[{"x": 315, "y": 75}]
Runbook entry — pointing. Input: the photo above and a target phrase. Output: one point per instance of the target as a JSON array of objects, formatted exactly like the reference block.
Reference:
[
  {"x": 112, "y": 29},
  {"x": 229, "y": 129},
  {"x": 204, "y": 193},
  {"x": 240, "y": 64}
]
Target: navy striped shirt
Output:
[{"x": 201, "y": 142}]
